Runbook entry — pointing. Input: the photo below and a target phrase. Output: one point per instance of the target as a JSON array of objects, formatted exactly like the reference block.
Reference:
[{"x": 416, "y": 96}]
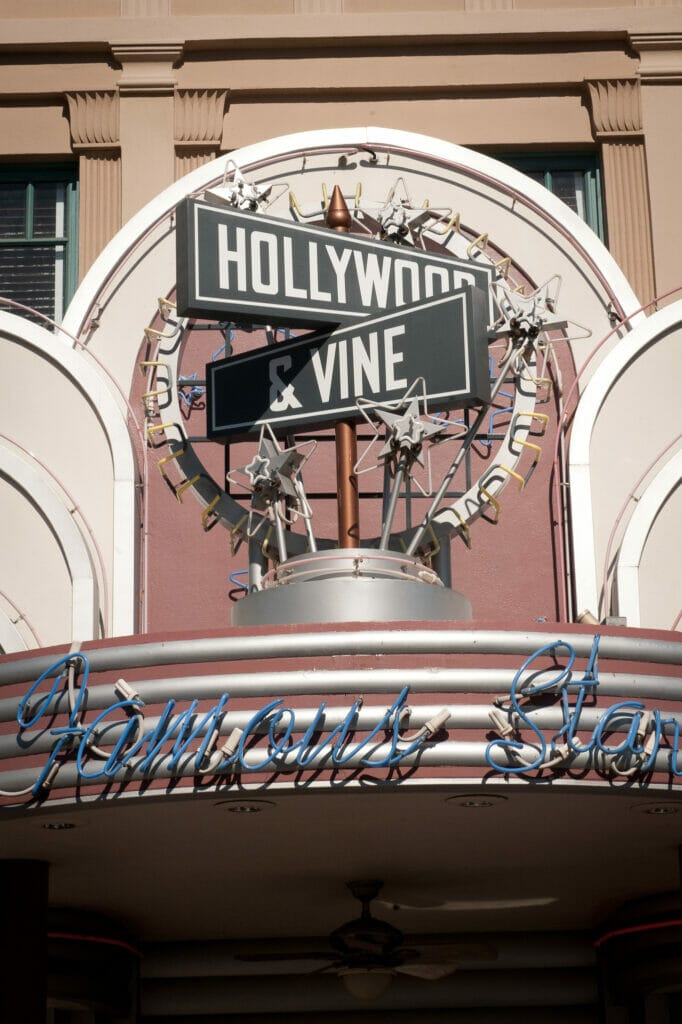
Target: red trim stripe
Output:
[
  {"x": 633, "y": 929},
  {"x": 73, "y": 937}
]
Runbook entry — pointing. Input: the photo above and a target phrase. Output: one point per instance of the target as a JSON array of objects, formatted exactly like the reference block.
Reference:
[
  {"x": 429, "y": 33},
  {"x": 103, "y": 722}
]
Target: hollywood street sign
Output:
[
  {"x": 253, "y": 269},
  {"x": 317, "y": 379}
]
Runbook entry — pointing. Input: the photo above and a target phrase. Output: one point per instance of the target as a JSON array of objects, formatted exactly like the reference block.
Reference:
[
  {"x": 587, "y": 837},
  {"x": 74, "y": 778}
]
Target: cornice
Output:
[
  {"x": 656, "y": 40},
  {"x": 489, "y": 19},
  {"x": 147, "y": 67},
  {"x": 316, "y": 24},
  {"x": 660, "y": 56},
  {"x": 127, "y": 52}
]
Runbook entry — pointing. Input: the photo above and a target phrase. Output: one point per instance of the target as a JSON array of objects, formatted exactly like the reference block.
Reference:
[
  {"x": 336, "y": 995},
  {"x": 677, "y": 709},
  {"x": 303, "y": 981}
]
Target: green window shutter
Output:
[{"x": 38, "y": 238}]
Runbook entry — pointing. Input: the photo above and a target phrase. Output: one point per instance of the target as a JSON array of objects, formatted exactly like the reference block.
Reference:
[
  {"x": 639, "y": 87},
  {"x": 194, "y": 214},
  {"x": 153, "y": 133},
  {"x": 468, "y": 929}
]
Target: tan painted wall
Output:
[
  {"x": 34, "y": 129},
  {"x": 662, "y": 105},
  {"x": 490, "y": 73},
  {"x": 468, "y": 122}
]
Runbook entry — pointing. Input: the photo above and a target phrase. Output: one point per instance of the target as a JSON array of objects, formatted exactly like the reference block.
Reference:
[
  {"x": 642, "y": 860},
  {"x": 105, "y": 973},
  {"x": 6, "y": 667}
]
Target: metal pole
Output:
[
  {"x": 279, "y": 533},
  {"x": 393, "y": 503},
  {"x": 348, "y": 504},
  {"x": 258, "y": 565}
]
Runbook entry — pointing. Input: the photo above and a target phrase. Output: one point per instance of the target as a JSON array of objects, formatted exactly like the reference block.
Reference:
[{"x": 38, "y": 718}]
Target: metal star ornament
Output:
[
  {"x": 405, "y": 431},
  {"x": 241, "y": 194},
  {"x": 401, "y": 220},
  {"x": 273, "y": 478},
  {"x": 521, "y": 314}
]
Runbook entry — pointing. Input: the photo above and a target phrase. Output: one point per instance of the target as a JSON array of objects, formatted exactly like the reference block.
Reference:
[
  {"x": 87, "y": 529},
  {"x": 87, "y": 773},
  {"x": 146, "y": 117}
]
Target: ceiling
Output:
[{"x": 189, "y": 868}]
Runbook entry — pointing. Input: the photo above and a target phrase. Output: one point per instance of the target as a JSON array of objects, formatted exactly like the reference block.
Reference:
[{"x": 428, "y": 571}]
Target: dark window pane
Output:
[
  {"x": 39, "y": 206},
  {"x": 12, "y": 211},
  {"x": 567, "y": 185},
  {"x": 49, "y": 210},
  {"x": 32, "y": 275}
]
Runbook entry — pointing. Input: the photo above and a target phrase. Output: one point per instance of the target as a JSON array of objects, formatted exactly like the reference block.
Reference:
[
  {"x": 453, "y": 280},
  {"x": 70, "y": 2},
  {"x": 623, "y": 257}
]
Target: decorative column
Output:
[
  {"x": 660, "y": 74},
  {"x": 94, "y": 123},
  {"x": 198, "y": 127},
  {"x": 146, "y": 89},
  {"x": 617, "y": 125}
]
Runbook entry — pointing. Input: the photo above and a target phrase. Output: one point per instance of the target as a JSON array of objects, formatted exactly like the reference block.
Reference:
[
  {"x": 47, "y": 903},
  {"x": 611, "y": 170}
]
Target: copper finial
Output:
[{"x": 338, "y": 214}]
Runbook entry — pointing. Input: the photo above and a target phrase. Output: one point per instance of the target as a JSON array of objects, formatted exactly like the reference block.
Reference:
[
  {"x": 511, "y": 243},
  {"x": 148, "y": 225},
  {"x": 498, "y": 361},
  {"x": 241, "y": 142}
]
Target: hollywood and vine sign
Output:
[{"x": 385, "y": 315}]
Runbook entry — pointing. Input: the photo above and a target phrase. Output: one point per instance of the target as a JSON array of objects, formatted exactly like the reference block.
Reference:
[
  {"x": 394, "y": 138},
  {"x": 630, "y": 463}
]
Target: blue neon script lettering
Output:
[
  {"x": 629, "y": 717},
  {"x": 119, "y": 741}
]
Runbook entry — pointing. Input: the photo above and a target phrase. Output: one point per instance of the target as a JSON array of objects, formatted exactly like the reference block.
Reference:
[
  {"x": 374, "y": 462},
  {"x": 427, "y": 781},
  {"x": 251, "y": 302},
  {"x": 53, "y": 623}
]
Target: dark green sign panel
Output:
[
  {"x": 317, "y": 379},
  {"x": 249, "y": 268}
]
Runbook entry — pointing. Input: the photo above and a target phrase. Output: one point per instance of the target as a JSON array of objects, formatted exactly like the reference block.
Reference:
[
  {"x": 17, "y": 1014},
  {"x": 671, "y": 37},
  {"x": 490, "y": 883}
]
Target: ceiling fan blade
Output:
[
  {"x": 260, "y": 958},
  {"x": 427, "y": 972},
  {"x": 448, "y": 952},
  {"x": 482, "y": 904}
]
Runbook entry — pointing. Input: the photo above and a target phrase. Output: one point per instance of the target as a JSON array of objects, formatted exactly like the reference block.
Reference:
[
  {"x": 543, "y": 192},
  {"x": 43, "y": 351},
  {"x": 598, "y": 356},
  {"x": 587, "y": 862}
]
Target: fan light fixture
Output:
[{"x": 366, "y": 984}]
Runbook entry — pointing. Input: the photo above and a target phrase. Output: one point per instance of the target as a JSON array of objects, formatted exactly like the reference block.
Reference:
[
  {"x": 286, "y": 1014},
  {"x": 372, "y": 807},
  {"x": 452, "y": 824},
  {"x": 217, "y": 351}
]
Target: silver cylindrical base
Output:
[{"x": 350, "y": 585}]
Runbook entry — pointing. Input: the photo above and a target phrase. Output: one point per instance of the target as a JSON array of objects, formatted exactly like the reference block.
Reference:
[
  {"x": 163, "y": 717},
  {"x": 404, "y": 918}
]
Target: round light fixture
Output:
[
  {"x": 660, "y": 810},
  {"x": 475, "y": 801},
  {"x": 366, "y": 984},
  {"x": 245, "y": 806}
]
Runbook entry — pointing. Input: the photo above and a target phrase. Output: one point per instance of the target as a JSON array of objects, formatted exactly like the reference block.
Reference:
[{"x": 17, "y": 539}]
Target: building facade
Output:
[{"x": 392, "y": 611}]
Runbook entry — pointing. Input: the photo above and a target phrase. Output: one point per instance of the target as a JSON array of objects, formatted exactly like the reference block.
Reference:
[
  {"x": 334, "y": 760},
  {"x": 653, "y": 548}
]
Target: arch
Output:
[
  {"x": 86, "y": 378},
  {"x": 646, "y": 333},
  {"x": 637, "y": 533},
  {"x": 502, "y": 186},
  {"x": 513, "y": 182},
  {"x": 28, "y": 479}
]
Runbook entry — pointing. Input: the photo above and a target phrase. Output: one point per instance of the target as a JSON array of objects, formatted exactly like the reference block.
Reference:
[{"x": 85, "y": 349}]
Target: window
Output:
[
  {"x": 575, "y": 178},
  {"x": 38, "y": 237}
]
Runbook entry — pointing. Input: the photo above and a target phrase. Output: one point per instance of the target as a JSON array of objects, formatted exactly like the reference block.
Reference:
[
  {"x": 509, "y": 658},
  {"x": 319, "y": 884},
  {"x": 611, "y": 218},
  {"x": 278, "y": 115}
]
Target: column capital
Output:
[
  {"x": 199, "y": 117},
  {"x": 93, "y": 120},
  {"x": 615, "y": 108},
  {"x": 147, "y": 67}
]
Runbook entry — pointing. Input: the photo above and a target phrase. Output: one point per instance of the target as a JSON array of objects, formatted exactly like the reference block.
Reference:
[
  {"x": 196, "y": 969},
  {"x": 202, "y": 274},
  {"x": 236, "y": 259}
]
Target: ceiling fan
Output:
[{"x": 368, "y": 944}]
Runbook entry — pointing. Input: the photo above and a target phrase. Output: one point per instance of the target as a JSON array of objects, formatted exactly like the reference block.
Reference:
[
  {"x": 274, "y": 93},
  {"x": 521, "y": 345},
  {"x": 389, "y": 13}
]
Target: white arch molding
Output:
[
  {"x": 12, "y": 639},
  {"x": 27, "y": 477},
  {"x": 577, "y": 234},
  {"x": 634, "y": 541},
  {"x": 87, "y": 379},
  {"x": 587, "y": 573}
]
